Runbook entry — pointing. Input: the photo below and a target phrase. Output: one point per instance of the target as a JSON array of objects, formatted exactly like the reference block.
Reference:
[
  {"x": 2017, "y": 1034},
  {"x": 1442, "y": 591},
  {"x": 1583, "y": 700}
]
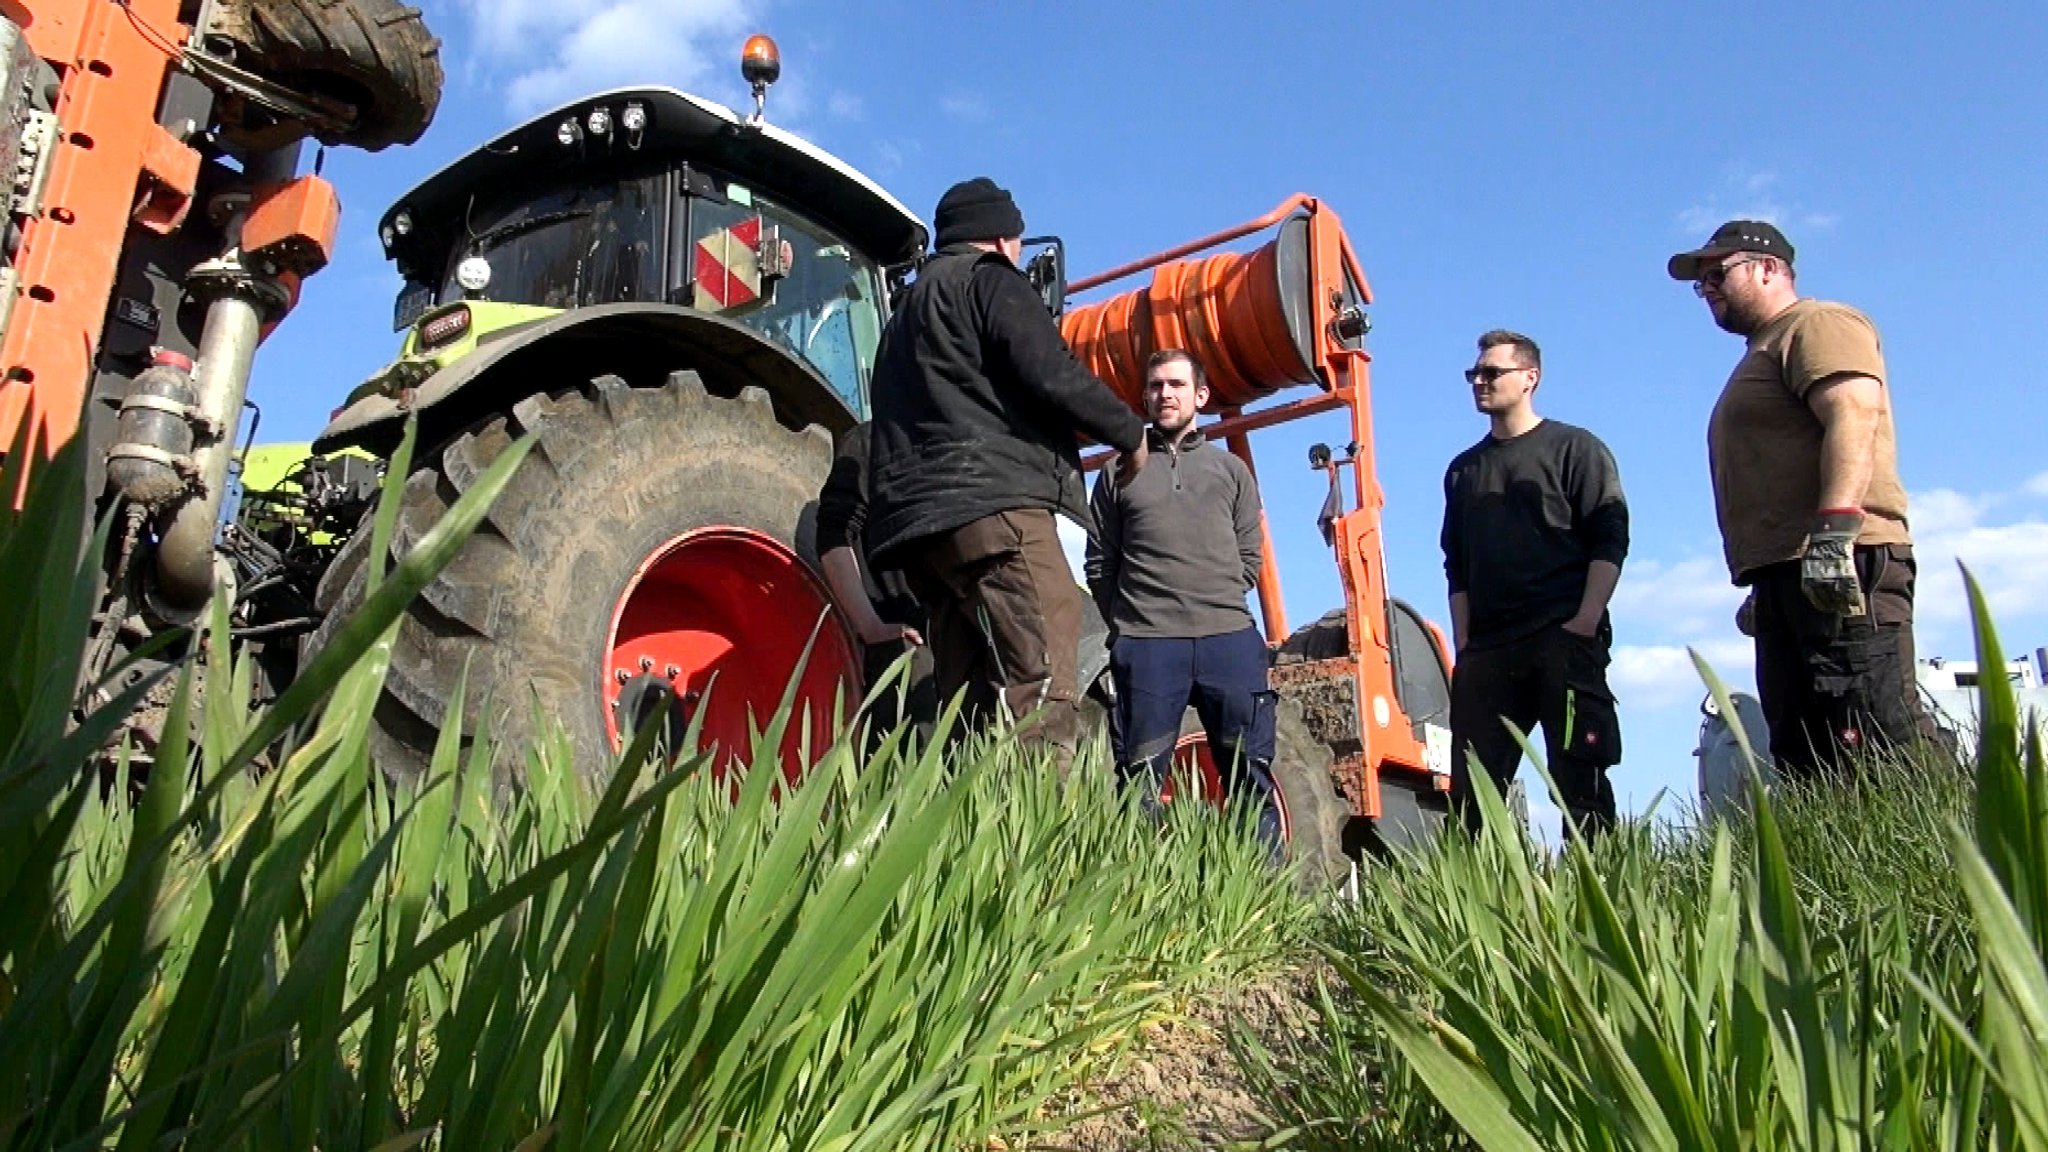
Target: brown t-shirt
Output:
[{"x": 1764, "y": 443}]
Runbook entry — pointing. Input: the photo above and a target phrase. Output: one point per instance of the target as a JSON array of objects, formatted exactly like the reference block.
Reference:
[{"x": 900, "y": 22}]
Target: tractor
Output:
[{"x": 682, "y": 304}]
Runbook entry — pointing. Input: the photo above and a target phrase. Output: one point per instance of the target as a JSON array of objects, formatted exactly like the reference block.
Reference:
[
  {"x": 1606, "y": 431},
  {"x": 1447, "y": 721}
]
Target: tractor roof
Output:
[{"x": 679, "y": 127}]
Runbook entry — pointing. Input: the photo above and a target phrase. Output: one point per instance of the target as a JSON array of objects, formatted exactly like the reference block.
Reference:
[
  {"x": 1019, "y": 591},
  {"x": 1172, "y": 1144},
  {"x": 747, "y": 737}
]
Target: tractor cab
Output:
[{"x": 649, "y": 197}]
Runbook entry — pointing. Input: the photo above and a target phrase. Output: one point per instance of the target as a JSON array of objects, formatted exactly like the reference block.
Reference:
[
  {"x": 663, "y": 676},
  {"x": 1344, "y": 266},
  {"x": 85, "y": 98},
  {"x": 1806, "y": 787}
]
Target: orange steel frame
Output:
[
  {"x": 1343, "y": 376},
  {"x": 113, "y": 167}
]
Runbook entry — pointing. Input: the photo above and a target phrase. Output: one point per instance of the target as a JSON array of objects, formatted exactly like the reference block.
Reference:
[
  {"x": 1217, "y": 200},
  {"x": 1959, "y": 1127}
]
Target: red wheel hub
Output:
[
  {"x": 723, "y": 614},
  {"x": 1191, "y": 757}
]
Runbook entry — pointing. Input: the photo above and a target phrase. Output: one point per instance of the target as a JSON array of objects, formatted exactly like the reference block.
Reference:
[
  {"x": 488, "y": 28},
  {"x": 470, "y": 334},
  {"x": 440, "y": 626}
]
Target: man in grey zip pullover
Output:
[{"x": 1179, "y": 550}]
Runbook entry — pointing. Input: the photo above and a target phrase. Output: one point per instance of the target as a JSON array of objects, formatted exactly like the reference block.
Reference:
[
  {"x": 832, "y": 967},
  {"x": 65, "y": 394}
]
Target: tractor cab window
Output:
[
  {"x": 789, "y": 280},
  {"x": 585, "y": 243}
]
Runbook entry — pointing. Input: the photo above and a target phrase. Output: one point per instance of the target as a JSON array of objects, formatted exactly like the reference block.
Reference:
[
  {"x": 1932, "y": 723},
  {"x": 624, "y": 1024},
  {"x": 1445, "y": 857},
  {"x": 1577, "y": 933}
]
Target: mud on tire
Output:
[
  {"x": 375, "y": 56},
  {"x": 527, "y": 605}
]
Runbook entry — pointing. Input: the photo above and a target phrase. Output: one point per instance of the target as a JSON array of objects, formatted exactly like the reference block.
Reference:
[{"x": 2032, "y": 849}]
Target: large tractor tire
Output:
[
  {"x": 376, "y": 56},
  {"x": 1413, "y": 814},
  {"x": 1312, "y": 813},
  {"x": 653, "y": 537}
]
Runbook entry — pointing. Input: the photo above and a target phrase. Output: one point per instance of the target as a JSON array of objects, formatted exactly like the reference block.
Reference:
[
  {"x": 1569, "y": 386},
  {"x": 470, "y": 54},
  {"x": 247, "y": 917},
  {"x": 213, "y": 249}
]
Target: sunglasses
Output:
[
  {"x": 1715, "y": 276},
  {"x": 1487, "y": 373}
]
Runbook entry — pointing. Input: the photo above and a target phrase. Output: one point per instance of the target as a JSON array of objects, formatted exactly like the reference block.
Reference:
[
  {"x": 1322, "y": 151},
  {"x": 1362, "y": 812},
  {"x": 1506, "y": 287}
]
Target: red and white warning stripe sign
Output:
[{"x": 728, "y": 267}]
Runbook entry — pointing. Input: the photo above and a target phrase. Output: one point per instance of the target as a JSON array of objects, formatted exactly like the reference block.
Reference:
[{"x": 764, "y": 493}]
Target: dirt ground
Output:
[{"x": 1181, "y": 1088}]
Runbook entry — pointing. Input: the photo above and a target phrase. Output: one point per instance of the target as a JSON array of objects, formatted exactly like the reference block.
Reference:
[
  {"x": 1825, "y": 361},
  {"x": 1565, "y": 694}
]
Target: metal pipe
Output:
[
  {"x": 227, "y": 351},
  {"x": 1271, "y": 604}
]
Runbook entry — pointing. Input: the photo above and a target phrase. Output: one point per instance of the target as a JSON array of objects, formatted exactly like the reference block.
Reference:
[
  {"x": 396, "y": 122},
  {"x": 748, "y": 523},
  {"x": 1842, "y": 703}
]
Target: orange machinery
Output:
[
  {"x": 142, "y": 270},
  {"x": 89, "y": 83},
  {"x": 1290, "y": 312}
]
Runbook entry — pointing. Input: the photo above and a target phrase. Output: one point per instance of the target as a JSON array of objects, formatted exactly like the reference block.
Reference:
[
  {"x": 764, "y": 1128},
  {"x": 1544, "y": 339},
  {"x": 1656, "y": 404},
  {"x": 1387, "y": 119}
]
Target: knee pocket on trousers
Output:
[
  {"x": 1592, "y": 727},
  {"x": 1860, "y": 684}
]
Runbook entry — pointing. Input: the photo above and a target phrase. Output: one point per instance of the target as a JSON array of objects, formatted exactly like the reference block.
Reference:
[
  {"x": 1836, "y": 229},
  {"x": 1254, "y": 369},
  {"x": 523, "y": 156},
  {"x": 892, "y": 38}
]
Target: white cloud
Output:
[
  {"x": 1652, "y": 676},
  {"x": 1944, "y": 510},
  {"x": 2038, "y": 486},
  {"x": 1675, "y": 601},
  {"x": 551, "y": 51},
  {"x": 844, "y": 106},
  {"x": 1746, "y": 193},
  {"x": 964, "y": 107}
]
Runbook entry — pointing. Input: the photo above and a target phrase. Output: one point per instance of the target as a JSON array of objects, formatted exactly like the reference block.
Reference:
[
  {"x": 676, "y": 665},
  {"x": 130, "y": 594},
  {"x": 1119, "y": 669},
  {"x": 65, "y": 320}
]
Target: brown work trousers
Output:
[{"x": 1005, "y": 622}]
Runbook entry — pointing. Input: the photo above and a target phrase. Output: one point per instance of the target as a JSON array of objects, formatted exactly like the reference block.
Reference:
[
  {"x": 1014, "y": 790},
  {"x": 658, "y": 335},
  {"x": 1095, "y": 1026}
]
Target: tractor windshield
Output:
[
  {"x": 581, "y": 244},
  {"x": 776, "y": 272}
]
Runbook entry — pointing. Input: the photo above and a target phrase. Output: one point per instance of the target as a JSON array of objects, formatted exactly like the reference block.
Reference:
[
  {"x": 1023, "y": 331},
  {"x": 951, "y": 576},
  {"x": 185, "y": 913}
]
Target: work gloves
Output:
[{"x": 1827, "y": 573}]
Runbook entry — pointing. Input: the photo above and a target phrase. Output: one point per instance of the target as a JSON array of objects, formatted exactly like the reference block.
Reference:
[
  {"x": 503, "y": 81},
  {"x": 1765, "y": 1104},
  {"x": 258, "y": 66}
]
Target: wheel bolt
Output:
[
  {"x": 647, "y": 663},
  {"x": 673, "y": 671},
  {"x": 622, "y": 675}
]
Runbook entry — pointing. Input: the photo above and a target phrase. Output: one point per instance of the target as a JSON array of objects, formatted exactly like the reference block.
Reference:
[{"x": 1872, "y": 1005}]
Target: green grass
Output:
[
  {"x": 916, "y": 948},
  {"x": 1851, "y": 967}
]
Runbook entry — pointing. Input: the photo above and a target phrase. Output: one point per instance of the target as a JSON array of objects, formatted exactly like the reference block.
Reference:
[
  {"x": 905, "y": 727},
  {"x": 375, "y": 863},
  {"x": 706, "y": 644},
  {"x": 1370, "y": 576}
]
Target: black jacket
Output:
[
  {"x": 843, "y": 521},
  {"x": 979, "y": 405}
]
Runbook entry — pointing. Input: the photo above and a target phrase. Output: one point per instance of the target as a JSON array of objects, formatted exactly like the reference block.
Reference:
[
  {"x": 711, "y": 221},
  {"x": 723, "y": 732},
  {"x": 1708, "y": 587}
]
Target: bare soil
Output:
[{"x": 1181, "y": 1087}]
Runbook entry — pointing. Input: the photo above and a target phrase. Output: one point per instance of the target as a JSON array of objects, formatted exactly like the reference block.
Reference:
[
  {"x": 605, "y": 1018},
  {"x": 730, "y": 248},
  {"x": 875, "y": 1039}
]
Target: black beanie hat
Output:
[{"x": 977, "y": 210}]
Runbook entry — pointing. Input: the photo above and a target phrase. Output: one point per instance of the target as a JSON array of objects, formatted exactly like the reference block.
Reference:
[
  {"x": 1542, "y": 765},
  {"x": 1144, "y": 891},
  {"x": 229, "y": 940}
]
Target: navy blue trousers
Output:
[{"x": 1224, "y": 679}]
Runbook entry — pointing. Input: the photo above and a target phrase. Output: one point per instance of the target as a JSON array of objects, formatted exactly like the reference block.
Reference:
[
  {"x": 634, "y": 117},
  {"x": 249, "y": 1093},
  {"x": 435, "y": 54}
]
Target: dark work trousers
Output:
[
  {"x": 915, "y": 703},
  {"x": 1005, "y": 622},
  {"x": 1834, "y": 685},
  {"x": 1554, "y": 678},
  {"x": 1224, "y": 679}
]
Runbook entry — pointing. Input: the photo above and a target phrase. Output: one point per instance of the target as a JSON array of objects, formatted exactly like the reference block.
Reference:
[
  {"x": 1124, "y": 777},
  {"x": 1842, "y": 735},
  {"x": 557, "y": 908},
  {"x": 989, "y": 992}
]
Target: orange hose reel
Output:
[{"x": 1248, "y": 317}]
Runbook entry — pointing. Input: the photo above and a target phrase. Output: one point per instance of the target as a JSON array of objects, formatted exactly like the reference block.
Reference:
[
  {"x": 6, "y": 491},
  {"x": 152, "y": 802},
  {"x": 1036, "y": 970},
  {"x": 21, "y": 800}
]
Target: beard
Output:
[
  {"x": 1172, "y": 428},
  {"x": 1739, "y": 317}
]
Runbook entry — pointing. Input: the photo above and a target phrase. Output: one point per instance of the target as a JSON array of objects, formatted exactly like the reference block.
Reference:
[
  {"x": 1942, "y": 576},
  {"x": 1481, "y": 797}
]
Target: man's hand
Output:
[
  {"x": 1129, "y": 464},
  {"x": 1581, "y": 626},
  {"x": 880, "y": 631},
  {"x": 1827, "y": 573},
  {"x": 1745, "y": 615}
]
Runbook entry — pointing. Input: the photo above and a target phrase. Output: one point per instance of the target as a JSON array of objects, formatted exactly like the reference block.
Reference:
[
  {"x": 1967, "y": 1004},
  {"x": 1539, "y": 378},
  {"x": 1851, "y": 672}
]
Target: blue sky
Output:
[{"x": 1495, "y": 165}]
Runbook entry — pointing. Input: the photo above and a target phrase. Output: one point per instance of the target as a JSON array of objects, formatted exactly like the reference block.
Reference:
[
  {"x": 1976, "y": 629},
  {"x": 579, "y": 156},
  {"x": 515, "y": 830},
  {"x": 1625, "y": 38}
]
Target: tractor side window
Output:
[{"x": 791, "y": 281}]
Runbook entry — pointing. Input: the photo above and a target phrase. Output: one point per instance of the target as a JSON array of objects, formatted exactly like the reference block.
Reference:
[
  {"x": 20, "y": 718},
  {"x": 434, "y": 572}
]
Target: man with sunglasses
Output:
[
  {"x": 1535, "y": 532},
  {"x": 1813, "y": 515}
]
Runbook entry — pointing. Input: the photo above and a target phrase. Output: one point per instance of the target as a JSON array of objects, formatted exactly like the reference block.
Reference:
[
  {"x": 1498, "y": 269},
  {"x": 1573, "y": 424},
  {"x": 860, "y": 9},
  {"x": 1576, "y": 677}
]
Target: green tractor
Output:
[{"x": 682, "y": 307}]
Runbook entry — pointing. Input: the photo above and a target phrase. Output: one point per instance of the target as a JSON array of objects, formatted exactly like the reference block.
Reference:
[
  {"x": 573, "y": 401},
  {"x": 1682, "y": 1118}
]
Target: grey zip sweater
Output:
[{"x": 1180, "y": 547}]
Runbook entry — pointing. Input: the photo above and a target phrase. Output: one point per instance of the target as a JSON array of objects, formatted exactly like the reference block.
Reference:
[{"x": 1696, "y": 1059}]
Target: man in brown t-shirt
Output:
[{"x": 1813, "y": 517}]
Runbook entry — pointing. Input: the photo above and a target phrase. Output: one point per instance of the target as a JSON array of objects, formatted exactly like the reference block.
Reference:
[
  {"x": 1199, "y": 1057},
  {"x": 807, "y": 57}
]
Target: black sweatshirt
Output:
[
  {"x": 979, "y": 405},
  {"x": 1523, "y": 518}
]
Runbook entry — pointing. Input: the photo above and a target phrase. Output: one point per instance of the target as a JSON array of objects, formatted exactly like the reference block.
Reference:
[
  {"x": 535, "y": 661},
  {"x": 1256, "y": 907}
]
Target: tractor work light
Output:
[
  {"x": 634, "y": 118},
  {"x": 402, "y": 223},
  {"x": 388, "y": 234},
  {"x": 446, "y": 328},
  {"x": 569, "y": 132},
  {"x": 474, "y": 274},
  {"x": 600, "y": 122}
]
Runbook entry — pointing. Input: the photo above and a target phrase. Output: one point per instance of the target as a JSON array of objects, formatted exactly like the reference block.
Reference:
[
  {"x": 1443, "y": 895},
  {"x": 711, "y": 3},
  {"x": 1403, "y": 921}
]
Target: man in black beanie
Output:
[{"x": 979, "y": 406}]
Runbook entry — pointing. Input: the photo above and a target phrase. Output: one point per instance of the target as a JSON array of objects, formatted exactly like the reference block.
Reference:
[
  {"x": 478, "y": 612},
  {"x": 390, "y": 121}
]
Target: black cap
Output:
[
  {"x": 977, "y": 210},
  {"x": 1734, "y": 236}
]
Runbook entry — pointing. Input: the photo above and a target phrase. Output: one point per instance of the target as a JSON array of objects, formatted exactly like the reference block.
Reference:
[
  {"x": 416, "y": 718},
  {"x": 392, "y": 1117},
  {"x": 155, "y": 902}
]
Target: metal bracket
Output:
[
  {"x": 182, "y": 465},
  {"x": 316, "y": 112}
]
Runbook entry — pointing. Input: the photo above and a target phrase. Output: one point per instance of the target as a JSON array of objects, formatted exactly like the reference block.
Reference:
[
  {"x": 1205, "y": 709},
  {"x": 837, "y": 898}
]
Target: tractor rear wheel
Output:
[
  {"x": 654, "y": 545},
  {"x": 1312, "y": 814},
  {"x": 376, "y": 56}
]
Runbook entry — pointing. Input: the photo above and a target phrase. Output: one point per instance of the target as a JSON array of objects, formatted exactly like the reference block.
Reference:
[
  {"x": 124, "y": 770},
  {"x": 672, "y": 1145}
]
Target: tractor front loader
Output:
[
  {"x": 157, "y": 226},
  {"x": 1363, "y": 730}
]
